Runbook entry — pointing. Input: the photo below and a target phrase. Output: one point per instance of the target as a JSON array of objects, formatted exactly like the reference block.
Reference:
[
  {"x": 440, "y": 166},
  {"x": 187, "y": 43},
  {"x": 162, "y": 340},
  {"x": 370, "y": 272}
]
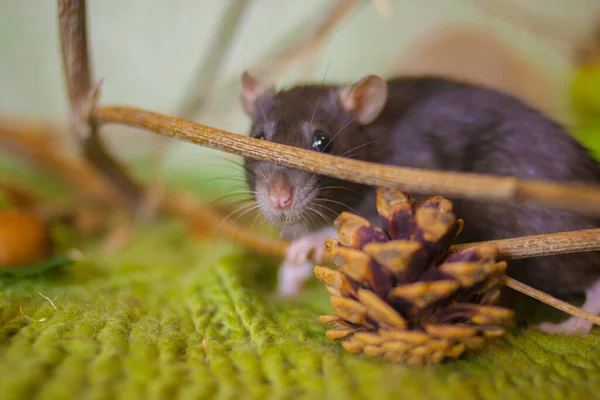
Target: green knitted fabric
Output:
[{"x": 167, "y": 319}]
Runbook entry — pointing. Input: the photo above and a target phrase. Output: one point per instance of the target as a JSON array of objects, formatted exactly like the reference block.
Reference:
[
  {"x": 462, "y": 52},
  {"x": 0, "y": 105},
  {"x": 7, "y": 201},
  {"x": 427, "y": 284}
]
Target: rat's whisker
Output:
[
  {"x": 340, "y": 203},
  {"x": 311, "y": 216},
  {"x": 236, "y": 193},
  {"x": 314, "y": 204},
  {"x": 324, "y": 188},
  {"x": 221, "y": 178},
  {"x": 326, "y": 209},
  {"x": 319, "y": 214},
  {"x": 338, "y": 132},
  {"x": 345, "y": 154},
  {"x": 319, "y": 96},
  {"x": 231, "y": 203},
  {"x": 254, "y": 215},
  {"x": 235, "y": 168},
  {"x": 251, "y": 209},
  {"x": 262, "y": 220},
  {"x": 304, "y": 223},
  {"x": 262, "y": 111},
  {"x": 243, "y": 207}
]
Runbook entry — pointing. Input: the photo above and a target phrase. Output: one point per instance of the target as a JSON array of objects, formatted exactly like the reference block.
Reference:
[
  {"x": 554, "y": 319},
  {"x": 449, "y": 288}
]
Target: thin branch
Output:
[
  {"x": 204, "y": 79},
  {"x": 199, "y": 90},
  {"x": 41, "y": 145},
  {"x": 574, "y": 197},
  {"x": 534, "y": 246},
  {"x": 543, "y": 245},
  {"x": 185, "y": 206},
  {"x": 18, "y": 195},
  {"x": 32, "y": 141},
  {"x": 82, "y": 97},
  {"x": 547, "y": 299}
]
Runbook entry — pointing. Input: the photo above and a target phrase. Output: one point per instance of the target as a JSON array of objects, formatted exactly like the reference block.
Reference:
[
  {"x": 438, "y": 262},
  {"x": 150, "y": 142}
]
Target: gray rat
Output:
[{"x": 426, "y": 122}]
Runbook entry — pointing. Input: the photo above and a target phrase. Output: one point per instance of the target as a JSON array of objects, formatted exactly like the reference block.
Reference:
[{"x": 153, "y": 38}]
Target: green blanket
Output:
[{"x": 166, "y": 318}]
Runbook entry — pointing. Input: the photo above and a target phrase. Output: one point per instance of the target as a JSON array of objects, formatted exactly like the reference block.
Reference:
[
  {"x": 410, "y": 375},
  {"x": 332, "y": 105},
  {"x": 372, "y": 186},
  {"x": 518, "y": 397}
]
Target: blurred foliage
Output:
[{"x": 585, "y": 97}]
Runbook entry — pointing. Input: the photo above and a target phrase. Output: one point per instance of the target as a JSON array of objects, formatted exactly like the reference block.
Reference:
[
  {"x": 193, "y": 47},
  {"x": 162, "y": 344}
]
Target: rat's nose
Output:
[{"x": 280, "y": 193}]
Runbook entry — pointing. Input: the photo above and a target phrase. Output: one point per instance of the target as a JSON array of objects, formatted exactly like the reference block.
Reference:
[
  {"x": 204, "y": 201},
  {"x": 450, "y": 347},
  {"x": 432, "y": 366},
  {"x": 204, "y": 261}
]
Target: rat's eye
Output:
[
  {"x": 259, "y": 136},
  {"x": 321, "y": 142}
]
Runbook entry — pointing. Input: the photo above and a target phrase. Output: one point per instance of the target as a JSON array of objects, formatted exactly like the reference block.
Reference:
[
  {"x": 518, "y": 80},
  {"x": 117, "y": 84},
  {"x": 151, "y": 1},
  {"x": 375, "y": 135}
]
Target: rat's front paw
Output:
[
  {"x": 297, "y": 267},
  {"x": 291, "y": 278},
  {"x": 300, "y": 249},
  {"x": 572, "y": 326}
]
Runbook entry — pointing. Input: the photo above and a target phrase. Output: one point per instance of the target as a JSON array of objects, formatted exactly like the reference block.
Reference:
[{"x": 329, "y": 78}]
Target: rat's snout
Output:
[{"x": 280, "y": 192}]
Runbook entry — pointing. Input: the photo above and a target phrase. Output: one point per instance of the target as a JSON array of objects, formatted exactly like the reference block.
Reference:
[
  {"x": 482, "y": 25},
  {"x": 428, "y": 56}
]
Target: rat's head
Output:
[{"x": 328, "y": 119}]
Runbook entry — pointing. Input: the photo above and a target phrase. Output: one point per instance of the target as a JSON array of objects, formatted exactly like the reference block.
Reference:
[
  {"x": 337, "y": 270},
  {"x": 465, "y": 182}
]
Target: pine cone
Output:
[{"x": 399, "y": 295}]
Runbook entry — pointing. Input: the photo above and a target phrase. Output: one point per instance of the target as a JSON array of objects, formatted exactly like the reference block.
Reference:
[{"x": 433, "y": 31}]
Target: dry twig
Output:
[
  {"x": 199, "y": 90},
  {"x": 579, "y": 198},
  {"x": 82, "y": 96},
  {"x": 186, "y": 206},
  {"x": 204, "y": 78},
  {"x": 40, "y": 144},
  {"x": 549, "y": 244},
  {"x": 547, "y": 299}
]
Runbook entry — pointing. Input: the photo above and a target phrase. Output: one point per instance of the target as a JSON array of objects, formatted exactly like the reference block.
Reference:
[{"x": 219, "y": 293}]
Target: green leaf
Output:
[{"x": 37, "y": 268}]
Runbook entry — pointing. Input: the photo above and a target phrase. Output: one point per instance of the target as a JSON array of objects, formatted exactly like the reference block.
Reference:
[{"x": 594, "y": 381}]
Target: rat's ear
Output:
[
  {"x": 365, "y": 99},
  {"x": 252, "y": 91}
]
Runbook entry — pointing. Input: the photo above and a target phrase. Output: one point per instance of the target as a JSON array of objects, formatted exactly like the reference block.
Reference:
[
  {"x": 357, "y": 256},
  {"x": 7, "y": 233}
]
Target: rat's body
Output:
[{"x": 433, "y": 123}]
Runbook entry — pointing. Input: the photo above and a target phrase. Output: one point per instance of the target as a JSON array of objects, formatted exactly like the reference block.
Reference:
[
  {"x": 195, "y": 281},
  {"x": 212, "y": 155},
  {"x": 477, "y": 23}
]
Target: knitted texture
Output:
[{"x": 167, "y": 319}]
